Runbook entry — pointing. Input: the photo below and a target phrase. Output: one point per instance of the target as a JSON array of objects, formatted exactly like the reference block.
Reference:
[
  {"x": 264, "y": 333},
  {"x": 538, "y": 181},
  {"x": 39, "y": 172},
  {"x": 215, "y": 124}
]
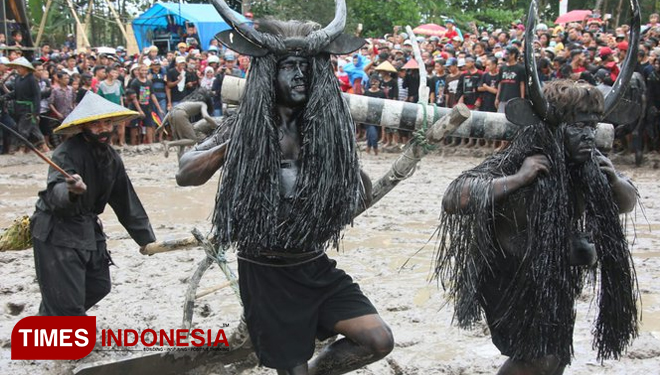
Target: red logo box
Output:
[{"x": 53, "y": 337}]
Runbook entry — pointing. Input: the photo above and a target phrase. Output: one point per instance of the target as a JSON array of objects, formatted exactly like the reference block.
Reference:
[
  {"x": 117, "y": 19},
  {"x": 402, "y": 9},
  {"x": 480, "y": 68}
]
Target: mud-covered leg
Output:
[{"x": 367, "y": 339}]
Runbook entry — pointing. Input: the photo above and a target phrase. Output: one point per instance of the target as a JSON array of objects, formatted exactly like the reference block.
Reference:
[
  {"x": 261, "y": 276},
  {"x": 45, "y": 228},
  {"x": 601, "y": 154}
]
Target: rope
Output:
[{"x": 419, "y": 136}]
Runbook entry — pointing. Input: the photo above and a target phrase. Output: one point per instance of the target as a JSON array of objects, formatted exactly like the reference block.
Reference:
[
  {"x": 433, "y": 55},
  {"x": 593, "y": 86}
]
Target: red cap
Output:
[
  {"x": 622, "y": 46},
  {"x": 605, "y": 51}
]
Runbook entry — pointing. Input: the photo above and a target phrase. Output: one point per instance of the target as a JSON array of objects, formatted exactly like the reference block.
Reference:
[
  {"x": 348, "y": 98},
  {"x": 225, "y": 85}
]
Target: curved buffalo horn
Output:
[
  {"x": 319, "y": 39},
  {"x": 249, "y": 33},
  {"x": 621, "y": 84},
  {"x": 540, "y": 104}
]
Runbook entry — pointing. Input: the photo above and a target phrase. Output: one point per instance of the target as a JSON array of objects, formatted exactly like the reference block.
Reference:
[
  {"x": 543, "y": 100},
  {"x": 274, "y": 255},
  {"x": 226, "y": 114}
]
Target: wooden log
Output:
[
  {"x": 409, "y": 116},
  {"x": 405, "y": 165}
]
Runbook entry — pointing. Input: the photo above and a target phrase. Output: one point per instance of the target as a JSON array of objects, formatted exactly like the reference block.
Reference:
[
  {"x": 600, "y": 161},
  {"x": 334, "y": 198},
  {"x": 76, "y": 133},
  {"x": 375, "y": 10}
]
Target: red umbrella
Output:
[
  {"x": 430, "y": 29},
  {"x": 573, "y": 16}
]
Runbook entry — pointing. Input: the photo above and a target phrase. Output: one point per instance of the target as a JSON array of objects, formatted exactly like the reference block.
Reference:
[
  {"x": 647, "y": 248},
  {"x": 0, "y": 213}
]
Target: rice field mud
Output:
[{"x": 388, "y": 251}]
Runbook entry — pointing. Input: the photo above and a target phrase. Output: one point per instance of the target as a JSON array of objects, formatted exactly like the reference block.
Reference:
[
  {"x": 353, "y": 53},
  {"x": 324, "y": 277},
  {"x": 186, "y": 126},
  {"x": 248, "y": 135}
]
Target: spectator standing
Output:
[
  {"x": 145, "y": 101},
  {"x": 85, "y": 85},
  {"x": 451, "y": 87},
  {"x": 61, "y": 98},
  {"x": 374, "y": 91},
  {"x": 158, "y": 78},
  {"x": 208, "y": 80},
  {"x": 488, "y": 85},
  {"x": 512, "y": 79},
  {"x": 45, "y": 125},
  {"x": 467, "y": 85},
  {"x": 99, "y": 75},
  {"x": 71, "y": 67},
  {"x": 437, "y": 83},
  {"x": 192, "y": 77},
  {"x": 230, "y": 66},
  {"x": 176, "y": 82}
]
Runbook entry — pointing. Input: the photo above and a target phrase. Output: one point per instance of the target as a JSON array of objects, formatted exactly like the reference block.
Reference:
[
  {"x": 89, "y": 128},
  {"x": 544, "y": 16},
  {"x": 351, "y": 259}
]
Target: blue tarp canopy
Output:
[{"x": 204, "y": 16}]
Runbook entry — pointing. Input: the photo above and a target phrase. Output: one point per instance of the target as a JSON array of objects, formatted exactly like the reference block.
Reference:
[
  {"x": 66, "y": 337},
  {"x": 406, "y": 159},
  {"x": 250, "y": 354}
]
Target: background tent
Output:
[{"x": 156, "y": 22}]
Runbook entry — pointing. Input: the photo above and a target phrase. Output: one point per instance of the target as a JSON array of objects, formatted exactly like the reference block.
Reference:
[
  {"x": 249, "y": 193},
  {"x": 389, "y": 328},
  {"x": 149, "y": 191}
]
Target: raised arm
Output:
[{"x": 198, "y": 165}]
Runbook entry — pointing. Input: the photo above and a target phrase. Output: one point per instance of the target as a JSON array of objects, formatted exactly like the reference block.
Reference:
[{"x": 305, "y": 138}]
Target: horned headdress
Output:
[
  {"x": 250, "y": 212},
  {"x": 539, "y": 109},
  {"x": 246, "y": 40}
]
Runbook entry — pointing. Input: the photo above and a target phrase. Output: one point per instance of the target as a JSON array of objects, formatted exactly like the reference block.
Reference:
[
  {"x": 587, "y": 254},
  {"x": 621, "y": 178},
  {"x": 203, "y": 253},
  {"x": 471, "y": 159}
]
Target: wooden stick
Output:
[
  {"x": 36, "y": 151},
  {"x": 170, "y": 245},
  {"x": 210, "y": 290}
]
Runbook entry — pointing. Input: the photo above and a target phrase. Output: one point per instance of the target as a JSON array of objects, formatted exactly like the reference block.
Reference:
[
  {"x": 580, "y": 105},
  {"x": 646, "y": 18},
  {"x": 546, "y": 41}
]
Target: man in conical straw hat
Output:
[
  {"x": 70, "y": 254},
  {"x": 27, "y": 97}
]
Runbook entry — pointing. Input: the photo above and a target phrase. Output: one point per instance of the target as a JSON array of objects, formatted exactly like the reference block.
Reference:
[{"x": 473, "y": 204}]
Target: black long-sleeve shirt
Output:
[
  {"x": 68, "y": 220},
  {"x": 26, "y": 89}
]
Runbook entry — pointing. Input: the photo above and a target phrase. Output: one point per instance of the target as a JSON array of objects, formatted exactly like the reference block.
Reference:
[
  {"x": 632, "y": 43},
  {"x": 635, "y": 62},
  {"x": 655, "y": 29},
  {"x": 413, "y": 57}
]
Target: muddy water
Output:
[{"x": 387, "y": 251}]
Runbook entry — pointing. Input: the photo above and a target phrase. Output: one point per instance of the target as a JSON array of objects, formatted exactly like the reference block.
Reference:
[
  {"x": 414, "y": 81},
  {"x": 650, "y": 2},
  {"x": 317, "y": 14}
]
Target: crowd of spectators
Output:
[
  {"x": 485, "y": 69},
  {"x": 482, "y": 69}
]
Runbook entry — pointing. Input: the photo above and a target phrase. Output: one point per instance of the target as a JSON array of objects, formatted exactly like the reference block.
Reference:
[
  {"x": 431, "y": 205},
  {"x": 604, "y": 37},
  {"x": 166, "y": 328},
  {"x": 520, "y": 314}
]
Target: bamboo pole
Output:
[
  {"x": 423, "y": 94},
  {"x": 88, "y": 16},
  {"x": 116, "y": 15},
  {"x": 42, "y": 24},
  {"x": 75, "y": 16}
]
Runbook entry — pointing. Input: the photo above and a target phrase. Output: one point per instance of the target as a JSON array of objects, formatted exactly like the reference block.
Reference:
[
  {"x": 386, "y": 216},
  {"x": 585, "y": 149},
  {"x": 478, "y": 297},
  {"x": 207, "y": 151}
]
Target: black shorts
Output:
[
  {"x": 286, "y": 308},
  {"x": 496, "y": 304},
  {"x": 495, "y": 307}
]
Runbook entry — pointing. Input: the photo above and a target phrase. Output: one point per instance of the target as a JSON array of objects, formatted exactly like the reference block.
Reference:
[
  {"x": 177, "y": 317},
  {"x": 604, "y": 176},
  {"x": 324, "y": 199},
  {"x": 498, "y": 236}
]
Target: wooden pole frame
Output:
[
  {"x": 42, "y": 24},
  {"x": 75, "y": 16},
  {"x": 118, "y": 20}
]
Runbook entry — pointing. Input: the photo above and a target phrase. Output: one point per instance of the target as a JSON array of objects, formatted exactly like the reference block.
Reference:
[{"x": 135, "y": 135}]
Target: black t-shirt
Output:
[
  {"x": 375, "y": 94},
  {"x": 451, "y": 88},
  {"x": 488, "y": 98},
  {"x": 80, "y": 94},
  {"x": 411, "y": 82},
  {"x": 175, "y": 94},
  {"x": 510, "y": 79},
  {"x": 390, "y": 89},
  {"x": 194, "y": 78},
  {"x": 143, "y": 90},
  {"x": 467, "y": 87}
]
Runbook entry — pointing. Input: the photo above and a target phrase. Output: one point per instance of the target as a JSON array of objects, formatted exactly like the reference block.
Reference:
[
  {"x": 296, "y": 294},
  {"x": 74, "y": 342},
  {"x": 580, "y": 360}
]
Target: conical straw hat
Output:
[
  {"x": 93, "y": 108},
  {"x": 386, "y": 67},
  {"x": 411, "y": 64},
  {"x": 21, "y": 61}
]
